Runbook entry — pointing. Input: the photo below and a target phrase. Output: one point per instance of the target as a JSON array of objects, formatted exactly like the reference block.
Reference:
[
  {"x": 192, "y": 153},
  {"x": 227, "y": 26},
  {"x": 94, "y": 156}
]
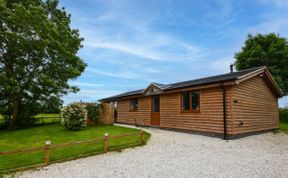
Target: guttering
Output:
[{"x": 224, "y": 110}]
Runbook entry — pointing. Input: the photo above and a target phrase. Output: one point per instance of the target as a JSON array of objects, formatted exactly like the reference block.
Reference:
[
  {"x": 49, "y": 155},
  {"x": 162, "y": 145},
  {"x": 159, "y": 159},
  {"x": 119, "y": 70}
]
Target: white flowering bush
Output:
[{"x": 74, "y": 116}]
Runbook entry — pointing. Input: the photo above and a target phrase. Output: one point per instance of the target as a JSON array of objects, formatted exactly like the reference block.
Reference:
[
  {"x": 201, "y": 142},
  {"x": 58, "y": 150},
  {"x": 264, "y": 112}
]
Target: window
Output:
[
  {"x": 185, "y": 97},
  {"x": 190, "y": 101},
  {"x": 134, "y": 104},
  {"x": 195, "y": 101}
]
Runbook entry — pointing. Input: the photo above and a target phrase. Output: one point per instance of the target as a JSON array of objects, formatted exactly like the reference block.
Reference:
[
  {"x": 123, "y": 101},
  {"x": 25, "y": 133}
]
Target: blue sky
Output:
[{"x": 131, "y": 43}]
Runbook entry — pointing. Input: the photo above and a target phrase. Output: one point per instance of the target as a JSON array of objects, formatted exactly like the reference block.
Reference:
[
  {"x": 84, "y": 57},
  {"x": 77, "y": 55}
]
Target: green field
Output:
[
  {"x": 42, "y": 118},
  {"x": 47, "y": 115},
  {"x": 36, "y": 136},
  {"x": 40, "y": 115}
]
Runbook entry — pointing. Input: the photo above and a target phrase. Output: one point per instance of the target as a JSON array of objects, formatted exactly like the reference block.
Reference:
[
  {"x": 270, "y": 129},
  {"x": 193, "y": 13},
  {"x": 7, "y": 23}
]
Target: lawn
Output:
[
  {"x": 36, "y": 136},
  {"x": 283, "y": 126}
]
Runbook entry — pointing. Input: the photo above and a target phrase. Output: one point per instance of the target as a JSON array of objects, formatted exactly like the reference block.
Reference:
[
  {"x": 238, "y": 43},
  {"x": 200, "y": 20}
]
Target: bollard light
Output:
[{"x": 48, "y": 142}]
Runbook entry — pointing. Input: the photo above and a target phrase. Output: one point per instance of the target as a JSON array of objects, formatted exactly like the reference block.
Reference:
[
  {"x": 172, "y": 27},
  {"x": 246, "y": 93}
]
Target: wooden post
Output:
[
  {"x": 106, "y": 142},
  {"x": 142, "y": 136},
  {"x": 47, "y": 152}
]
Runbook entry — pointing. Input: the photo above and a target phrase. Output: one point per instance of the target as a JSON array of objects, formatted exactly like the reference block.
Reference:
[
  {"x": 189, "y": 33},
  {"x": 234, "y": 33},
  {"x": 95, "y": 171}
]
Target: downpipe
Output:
[{"x": 224, "y": 110}]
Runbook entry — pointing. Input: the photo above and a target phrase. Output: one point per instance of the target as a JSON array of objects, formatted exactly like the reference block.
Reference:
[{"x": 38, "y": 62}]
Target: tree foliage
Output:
[
  {"x": 52, "y": 105},
  {"x": 38, "y": 55},
  {"x": 269, "y": 50},
  {"x": 283, "y": 114},
  {"x": 94, "y": 110}
]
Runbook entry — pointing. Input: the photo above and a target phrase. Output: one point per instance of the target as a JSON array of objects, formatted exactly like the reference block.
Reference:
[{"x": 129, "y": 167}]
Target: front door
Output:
[{"x": 155, "y": 110}]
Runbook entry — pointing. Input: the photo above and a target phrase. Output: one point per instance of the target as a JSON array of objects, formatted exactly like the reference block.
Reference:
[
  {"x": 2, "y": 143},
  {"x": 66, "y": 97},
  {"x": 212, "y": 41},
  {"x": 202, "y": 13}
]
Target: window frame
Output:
[
  {"x": 130, "y": 105},
  {"x": 190, "y": 102}
]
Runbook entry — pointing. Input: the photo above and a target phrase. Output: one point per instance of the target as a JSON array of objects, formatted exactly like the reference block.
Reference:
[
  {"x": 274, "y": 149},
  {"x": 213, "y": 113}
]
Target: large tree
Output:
[
  {"x": 38, "y": 55},
  {"x": 269, "y": 50}
]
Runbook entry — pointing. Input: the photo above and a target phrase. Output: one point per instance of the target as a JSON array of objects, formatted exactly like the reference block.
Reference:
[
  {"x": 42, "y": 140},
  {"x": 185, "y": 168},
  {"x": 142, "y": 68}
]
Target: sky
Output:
[{"x": 131, "y": 43}]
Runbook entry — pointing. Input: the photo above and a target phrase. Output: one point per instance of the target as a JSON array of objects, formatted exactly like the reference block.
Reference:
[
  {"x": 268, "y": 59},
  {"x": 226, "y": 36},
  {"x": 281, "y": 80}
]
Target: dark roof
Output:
[
  {"x": 135, "y": 92},
  {"x": 190, "y": 83},
  {"x": 212, "y": 79}
]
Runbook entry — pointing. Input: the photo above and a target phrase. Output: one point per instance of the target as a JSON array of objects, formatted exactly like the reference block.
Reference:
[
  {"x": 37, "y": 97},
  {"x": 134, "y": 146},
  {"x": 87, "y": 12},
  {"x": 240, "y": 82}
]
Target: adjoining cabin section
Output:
[
  {"x": 198, "y": 110},
  {"x": 134, "y": 111},
  {"x": 255, "y": 106},
  {"x": 227, "y": 105}
]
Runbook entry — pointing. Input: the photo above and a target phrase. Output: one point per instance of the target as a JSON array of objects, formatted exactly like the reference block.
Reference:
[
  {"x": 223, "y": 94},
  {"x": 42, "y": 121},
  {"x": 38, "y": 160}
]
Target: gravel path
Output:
[{"x": 175, "y": 154}]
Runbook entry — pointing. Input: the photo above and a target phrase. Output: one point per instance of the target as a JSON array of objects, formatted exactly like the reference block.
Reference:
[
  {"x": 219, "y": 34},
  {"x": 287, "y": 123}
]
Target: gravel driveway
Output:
[{"x": 175, "y": 154}]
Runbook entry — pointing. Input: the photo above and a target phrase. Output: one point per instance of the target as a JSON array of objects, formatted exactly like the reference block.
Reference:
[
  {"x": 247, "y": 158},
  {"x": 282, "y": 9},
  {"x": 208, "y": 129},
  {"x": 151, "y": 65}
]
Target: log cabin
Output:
[{"x": 230, "y": 105}]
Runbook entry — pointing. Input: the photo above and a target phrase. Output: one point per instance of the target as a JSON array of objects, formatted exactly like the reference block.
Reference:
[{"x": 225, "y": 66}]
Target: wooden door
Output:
[{"x": 155, "y": 110}]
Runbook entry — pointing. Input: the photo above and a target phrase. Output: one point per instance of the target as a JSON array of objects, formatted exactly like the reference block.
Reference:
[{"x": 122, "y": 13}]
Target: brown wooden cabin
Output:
[{"x": 227, "y": 105}]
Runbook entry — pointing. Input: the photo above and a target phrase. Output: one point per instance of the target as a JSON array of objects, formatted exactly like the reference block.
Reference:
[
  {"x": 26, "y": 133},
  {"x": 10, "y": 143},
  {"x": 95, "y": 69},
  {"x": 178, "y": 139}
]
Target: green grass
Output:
[
  {"x": 47, "y": 115},
  {"x": 47, "y": 118},
  {"x": 42, "y": 118},
  {"x": 283, "y": 126},
  {"x": 40, "y": 115},
  {"x": 36, "y": 136}
]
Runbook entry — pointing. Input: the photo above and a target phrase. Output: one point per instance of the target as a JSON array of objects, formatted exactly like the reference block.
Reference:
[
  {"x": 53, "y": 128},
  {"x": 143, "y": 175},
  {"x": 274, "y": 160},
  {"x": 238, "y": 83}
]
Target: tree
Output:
[
  {"x": 52, "y": 105},
  {"x": 38, "y": 55},
  {"x": 269, "y": 50}
]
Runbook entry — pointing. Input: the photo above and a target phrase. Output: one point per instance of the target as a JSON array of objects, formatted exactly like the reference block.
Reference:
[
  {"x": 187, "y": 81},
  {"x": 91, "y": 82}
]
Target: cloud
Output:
[
  {"x": 85, "y": 84},
  {"x": 221, "y": 65},
  {"x": 283, "y": 101},
  {"x": 125, "y": 74},
  {"x": 89, "y": 95},
  {"x": 220, "y": 12},
  {"x": 126, "y": 48},
  {"x": 279, "y": 25},
  {"x": 118, "y": 31},
  {"x": 109, "y": 73},
  {"x": 278, "y": 3},
  {"x": 159, "y": 47}
]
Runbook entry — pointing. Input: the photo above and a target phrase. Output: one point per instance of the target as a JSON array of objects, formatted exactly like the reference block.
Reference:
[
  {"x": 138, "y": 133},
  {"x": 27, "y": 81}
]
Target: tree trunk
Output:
[{"x": 15, "y": 106}]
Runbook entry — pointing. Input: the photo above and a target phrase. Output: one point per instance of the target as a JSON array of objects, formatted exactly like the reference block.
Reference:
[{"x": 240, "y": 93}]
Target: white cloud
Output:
[
  {"x": 135, "y": 37},
  {"x": 89, "y": 95},
  {"x": 221, "y": 65},
  {"x": 161, "y": 48},
  {"x": 221, "y": 13},
  {"x": 125, "y": 74},
  {"x": 279, "y": 25},
  {"x": 127, "y": 48},
  {"x": 279, "y": 3},
  {"x": 109, "y": 73},
  {"x": 283, "y": 101},
  {"x": 85, "y": 84}
]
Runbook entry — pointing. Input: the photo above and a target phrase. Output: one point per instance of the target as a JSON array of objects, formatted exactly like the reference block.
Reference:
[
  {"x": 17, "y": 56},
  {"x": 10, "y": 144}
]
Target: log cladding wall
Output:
[
  {"x": 209, "y": 119},
  {"x": 255, "y": 106},
  {"x": 142, "y": 116}
]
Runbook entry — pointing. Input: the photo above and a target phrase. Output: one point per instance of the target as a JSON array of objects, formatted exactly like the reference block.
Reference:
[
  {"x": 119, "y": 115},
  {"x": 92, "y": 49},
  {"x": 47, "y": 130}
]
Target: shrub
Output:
[
  {"x": 74, "y": 116},
  {"x": 283, "y": 112},
  {"x": 94, "y": 110}
]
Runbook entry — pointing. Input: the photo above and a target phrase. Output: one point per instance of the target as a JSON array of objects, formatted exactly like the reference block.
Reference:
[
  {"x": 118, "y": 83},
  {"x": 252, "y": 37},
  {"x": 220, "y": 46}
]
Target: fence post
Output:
[
  {"x": 47, "y": 152},
  {"x": 106, "y": 142},
  {"x": 142, "y": 136}
]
